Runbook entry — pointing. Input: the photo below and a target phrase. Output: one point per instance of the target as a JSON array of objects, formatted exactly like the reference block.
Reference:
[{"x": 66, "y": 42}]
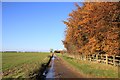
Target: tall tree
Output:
[{"x": 94, "y": 27}]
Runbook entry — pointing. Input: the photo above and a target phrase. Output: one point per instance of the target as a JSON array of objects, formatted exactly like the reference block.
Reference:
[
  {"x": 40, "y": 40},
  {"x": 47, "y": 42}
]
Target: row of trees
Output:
[{"x": 93, "y": 28}]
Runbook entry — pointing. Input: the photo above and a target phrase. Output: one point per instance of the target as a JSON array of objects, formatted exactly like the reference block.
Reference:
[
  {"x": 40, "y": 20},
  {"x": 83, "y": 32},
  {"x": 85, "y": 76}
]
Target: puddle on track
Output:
[{"x": 51, "y": 72}]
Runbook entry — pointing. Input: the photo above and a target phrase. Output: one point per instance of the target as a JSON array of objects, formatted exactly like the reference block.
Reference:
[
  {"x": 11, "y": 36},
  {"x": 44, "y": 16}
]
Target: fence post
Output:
[
  {"x": 114, "y": 60},
  {"x": 86, "y": 57},
  {"x": 90, "y": 58},
  {"x": 101, "y": 56},
  {"x": 96, "y": 57},
  {"x": 82, "y": 57},
  {"x": 106, "y": 59}
]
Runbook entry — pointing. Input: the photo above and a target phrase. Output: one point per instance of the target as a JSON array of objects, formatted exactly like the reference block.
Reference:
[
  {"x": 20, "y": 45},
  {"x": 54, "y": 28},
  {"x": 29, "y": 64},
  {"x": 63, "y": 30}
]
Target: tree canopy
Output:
[{"x": 93, "y": 28}]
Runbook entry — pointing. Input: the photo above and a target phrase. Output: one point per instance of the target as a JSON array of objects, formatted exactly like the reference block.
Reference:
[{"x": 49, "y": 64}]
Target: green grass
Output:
[
  {"x": 92, "y": 69},
  {"x": 15, "y": 65}
]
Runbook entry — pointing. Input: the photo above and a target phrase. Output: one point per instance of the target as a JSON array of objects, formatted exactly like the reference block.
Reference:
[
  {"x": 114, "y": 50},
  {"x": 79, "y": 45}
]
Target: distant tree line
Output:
[
  {"x": 93, "y": 29},
  {"x": 17, "y": 51},
  {"x": 60, "y": 51},
  {"x": 9, "y": 51}
]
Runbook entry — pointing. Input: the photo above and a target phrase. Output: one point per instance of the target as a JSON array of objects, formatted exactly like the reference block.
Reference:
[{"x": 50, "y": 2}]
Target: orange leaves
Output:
[{"x": 90, "y": 28}]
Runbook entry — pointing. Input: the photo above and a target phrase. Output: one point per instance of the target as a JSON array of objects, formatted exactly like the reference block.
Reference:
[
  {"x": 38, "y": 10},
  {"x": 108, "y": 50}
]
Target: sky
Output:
[{"x": 34, "y": 26}]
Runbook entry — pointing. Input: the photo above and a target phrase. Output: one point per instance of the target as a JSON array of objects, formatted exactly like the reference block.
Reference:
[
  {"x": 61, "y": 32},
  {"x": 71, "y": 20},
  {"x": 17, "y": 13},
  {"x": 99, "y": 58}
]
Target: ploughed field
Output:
[{"x": 22, "y": 65}]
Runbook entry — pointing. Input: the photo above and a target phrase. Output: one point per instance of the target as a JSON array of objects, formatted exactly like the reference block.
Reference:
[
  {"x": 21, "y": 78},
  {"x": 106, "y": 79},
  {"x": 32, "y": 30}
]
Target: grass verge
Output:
[{"x": 92, "y": 69}]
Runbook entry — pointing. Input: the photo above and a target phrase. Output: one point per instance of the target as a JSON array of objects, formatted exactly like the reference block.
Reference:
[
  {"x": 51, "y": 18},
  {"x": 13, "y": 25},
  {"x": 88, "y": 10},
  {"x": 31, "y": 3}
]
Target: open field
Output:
[
  {"x": 22, "y": 65},
  {"x": 91, "y": 69}
]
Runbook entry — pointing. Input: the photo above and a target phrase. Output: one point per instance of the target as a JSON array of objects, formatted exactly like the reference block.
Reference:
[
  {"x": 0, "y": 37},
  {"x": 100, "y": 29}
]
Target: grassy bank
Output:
[
  {"x": 92, "y": 69},
  {"x": 22, "y": 65}
]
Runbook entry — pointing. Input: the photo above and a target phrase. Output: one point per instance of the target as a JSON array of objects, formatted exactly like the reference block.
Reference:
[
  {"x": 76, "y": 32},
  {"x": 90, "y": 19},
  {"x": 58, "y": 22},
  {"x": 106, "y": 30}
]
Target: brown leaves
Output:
[{"x": 90, "y": 28}]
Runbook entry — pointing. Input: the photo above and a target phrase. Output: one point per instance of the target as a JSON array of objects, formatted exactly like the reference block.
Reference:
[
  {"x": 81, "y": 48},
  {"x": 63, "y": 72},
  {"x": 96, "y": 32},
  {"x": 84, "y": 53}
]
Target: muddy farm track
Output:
[
  {"x": 57, "y": 69},
  {"x": 62, "y": 70}
]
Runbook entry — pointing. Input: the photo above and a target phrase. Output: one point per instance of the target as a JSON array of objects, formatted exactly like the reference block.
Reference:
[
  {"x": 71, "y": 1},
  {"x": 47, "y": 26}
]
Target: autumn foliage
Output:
[{"x": 93, "y": 29}]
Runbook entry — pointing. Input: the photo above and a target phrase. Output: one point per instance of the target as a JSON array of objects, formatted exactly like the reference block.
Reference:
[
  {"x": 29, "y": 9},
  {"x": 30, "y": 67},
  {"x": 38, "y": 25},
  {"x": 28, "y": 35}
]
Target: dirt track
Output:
[{"x": 62, "y": 70}]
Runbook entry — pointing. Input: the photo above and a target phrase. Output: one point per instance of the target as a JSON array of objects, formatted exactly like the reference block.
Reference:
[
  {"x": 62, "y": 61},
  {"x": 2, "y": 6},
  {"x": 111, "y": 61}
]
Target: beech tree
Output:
[{"x": 93, "y": 28}]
